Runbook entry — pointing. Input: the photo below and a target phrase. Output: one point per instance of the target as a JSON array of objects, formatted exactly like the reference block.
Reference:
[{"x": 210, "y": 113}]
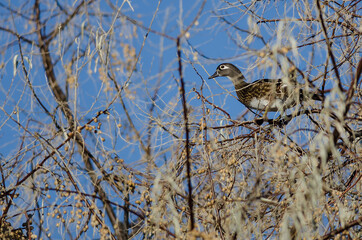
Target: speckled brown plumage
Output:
[{"x": 267, "y": 89}]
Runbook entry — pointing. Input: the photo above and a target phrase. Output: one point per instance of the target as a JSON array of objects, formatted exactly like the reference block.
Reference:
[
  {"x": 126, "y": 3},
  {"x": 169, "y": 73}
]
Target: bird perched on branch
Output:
[{"x": 269, "y": 95}]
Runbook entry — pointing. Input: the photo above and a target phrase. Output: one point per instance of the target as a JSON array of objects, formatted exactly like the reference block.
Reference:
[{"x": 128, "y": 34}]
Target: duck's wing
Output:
[
  {"x": 283, "y": 89},
  {"x": 265, "y": 87}
]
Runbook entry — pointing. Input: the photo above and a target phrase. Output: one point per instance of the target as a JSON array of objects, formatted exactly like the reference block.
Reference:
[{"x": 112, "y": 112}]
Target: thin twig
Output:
[
  {"x": 329, "y": 45},
  {"x": 187, "y": 147},
  {"x": 333, "y": 233}
]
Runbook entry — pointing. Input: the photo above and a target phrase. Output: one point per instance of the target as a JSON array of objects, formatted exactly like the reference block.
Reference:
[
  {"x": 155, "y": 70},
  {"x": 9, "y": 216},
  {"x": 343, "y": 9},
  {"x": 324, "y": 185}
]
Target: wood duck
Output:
[{"x": 269, "y": 95}]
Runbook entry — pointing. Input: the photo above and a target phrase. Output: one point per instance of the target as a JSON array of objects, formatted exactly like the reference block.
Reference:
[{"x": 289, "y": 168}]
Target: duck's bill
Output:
[{"x": 214, "y": 75}]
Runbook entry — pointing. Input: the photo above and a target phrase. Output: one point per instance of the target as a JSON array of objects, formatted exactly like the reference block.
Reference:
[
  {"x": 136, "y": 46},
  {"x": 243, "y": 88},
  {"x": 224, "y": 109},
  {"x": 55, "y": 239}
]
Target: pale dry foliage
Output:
[{"x": 111, "y": 130}]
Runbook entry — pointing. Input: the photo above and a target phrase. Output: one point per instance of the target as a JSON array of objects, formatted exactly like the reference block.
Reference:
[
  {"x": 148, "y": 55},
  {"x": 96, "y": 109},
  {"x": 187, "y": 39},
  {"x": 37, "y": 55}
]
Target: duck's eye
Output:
[{"x": 222, "y": 67}]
